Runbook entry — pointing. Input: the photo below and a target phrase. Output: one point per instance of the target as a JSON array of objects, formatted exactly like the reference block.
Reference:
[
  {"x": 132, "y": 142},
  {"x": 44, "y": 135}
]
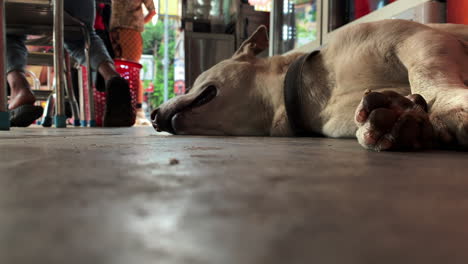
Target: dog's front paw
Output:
[{"x": 390, "y": 121}]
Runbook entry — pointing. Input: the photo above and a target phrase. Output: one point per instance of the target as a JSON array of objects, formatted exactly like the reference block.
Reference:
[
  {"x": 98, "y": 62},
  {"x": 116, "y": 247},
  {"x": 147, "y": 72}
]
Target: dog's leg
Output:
[
  {"x": 280, "y": 126},
  {"x": 438, "y": 69}
]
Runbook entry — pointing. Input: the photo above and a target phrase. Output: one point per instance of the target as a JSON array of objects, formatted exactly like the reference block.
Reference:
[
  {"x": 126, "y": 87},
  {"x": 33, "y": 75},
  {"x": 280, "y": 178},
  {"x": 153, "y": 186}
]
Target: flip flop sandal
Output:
[
  {"x": 25, "y": 115},
  {"x": 119, "y": 111}
]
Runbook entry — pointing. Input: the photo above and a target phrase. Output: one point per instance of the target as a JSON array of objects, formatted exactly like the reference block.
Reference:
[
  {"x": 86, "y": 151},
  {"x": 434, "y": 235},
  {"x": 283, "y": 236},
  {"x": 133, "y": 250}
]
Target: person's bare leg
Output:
[
  {"x": 23, "y": 112},
  {"x": 141, "y": 119},
  {"x": 21, "y": 93},
  {"x": 107, "y": 70}
]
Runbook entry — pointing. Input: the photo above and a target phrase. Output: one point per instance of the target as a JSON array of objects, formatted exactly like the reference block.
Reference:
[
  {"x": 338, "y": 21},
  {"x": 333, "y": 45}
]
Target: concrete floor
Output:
[{"x": 112, "y": 196}]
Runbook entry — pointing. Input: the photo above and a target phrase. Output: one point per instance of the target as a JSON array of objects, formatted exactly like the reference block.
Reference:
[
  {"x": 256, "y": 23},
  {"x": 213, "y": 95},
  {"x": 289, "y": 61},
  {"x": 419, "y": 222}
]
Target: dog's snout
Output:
[
  {"x": 154, "y": 114},
  {"x": 154, "y": 121}
]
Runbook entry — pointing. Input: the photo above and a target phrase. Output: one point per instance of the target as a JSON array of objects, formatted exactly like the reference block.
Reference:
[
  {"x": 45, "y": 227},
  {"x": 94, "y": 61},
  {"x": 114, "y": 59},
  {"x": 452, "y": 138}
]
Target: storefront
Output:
[
  {"x": 307, "y": 24},
  {"x": 215, "y": 28}
]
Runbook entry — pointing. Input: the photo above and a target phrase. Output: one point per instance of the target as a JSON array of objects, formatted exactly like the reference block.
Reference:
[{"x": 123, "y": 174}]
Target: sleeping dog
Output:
[{"x": 392, "y": 84}]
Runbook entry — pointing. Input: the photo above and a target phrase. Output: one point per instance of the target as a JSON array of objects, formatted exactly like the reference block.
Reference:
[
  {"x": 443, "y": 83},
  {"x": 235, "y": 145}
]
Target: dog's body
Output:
[{"x": 245, "y": 95}]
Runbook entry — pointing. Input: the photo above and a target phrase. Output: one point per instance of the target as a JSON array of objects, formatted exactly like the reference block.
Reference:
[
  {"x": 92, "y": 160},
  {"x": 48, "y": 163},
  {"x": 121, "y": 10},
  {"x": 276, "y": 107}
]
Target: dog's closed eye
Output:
[{"x": 208, "y": 94}]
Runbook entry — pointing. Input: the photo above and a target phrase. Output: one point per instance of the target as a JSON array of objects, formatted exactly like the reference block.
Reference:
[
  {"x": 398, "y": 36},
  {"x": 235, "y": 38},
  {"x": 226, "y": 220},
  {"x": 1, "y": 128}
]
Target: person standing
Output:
[
  {"x": 127, "y": 24},
  {"x": 119, "y": 111}
]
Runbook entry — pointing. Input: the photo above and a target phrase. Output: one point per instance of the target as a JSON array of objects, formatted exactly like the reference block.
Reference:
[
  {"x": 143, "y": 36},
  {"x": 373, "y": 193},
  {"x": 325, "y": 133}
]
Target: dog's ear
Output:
[{"x": 255, "y": 44}]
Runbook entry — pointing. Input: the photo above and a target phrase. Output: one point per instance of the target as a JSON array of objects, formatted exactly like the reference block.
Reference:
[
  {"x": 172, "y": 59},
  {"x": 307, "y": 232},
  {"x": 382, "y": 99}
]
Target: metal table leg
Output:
[
  {"x": 48, "y": 111},
  {"x": 84, "y": 122},
  {"x": 71, "y": 93},
  {"x": 4, "y": 114},
  {"x": 60, "y": 117}
]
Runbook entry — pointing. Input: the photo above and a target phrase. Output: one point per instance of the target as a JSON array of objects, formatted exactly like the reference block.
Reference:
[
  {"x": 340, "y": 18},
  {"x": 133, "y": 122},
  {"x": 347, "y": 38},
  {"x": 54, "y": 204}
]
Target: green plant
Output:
[{"x": 153, "y": 43}]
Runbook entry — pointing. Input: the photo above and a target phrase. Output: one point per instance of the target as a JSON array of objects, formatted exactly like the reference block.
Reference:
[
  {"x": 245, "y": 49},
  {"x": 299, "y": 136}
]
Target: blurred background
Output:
[{"x": 203, "y": 32}]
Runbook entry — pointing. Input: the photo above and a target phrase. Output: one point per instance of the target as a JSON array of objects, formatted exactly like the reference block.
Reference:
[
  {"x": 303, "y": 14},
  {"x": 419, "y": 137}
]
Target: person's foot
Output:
[
  {"x": 141, "y": 119},
  {"x": 119, "y": 110},
  {"x": 21, "y": 93},
  {"x": 25, "y": 115},
  {"x": 23, "y": 112}
]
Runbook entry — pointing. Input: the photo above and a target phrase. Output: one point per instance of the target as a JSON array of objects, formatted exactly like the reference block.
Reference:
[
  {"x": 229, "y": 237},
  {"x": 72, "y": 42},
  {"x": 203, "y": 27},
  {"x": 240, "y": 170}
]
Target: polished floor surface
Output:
[{"x": 131, "y": 196}]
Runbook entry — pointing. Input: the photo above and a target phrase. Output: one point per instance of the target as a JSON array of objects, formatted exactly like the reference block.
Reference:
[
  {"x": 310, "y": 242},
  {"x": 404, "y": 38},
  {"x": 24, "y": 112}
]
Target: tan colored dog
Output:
[{"x": 395, "y": 59}]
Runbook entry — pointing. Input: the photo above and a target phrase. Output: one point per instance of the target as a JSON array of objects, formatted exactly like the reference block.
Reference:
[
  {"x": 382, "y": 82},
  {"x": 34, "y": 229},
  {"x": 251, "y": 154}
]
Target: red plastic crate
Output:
[{"x": 130, "y": 71}]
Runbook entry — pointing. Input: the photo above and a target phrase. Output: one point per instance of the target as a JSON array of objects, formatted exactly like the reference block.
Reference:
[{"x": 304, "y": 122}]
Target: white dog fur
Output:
[{"x": 403, "y": 56}]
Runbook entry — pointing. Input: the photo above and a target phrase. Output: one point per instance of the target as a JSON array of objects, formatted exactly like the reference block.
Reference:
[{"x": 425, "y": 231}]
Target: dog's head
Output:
[{"x": 223, "y": 99}]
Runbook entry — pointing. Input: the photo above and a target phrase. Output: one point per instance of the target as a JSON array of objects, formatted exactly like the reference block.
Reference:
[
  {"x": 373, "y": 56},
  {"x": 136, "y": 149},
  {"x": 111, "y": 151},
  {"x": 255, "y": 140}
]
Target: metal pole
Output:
[
  {"x": 70, "y": 93},
  {"x": 84, "y": 119},
  {"x": 276, "y": 28},
  {"x": 4, "y": 114},
  {"x": 49, "y": 78},
  {"x": 60, "y": 118},
  {"x": 166, "y": 50}
]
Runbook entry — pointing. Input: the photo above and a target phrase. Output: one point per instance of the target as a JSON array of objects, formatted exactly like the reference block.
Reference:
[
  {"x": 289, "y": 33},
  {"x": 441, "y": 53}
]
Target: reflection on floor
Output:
[{"x": 124, "y": 196}]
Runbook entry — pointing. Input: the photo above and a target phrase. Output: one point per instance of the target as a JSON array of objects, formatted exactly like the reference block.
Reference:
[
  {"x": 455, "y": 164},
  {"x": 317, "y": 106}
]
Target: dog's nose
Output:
[{"x": 154, "y": 116}]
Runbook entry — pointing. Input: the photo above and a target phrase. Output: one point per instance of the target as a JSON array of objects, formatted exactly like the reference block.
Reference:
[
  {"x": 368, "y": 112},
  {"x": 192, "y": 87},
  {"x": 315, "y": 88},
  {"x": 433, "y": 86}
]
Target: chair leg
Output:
[
  {"x": 60, "y": 117},
  {"x": 84, "y": 119},
  {"x": 4, "y": 114},
  {"x": 49, "y": 78},
  {"x": 49, "y": 111},
  {"x": 92, "y": 114},
  {"x": 36, "y": 81},
  {"x": 71, "y": 93}
]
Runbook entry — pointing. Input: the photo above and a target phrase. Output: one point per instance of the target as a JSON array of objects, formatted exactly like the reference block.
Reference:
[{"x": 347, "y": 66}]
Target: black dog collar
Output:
[{"x": 292, "y": 88}]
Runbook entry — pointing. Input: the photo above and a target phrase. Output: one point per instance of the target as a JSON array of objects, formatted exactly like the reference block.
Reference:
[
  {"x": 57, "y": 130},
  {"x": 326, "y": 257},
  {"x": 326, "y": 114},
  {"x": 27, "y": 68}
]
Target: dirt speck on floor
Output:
[
  {"x": 174, "y": 161},
  {"x": 203, "y": 156},
  {"x": 141, "y": 212},
  {"x": 202, "y": 148}
]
